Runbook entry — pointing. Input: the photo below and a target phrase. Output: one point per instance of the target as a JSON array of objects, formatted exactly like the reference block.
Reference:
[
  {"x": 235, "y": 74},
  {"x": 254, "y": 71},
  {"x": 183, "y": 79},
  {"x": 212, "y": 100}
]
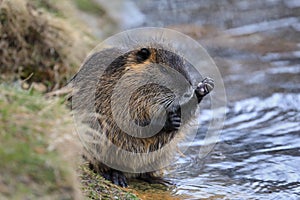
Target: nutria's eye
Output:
[{"x": 142, "y": 55}]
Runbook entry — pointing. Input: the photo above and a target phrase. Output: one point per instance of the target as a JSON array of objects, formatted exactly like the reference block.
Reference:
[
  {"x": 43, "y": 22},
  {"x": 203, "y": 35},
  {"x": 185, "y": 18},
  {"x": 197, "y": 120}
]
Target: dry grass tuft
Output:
[{"x": 39, "y": 43}]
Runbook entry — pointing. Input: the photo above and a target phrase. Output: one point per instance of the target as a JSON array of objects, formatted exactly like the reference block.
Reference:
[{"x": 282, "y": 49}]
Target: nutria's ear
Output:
[{"x": 142, "y": 55}]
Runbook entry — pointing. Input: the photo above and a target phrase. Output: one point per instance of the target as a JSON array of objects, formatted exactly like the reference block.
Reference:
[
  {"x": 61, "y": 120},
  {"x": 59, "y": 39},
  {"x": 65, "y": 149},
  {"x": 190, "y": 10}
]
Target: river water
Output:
[{"x": 256, "y": 46}]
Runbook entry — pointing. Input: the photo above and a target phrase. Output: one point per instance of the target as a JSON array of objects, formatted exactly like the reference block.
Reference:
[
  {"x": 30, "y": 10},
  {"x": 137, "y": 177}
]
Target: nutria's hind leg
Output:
[
  {"x": 115, "y": 176},
  {"x": 204, "y": 87}
]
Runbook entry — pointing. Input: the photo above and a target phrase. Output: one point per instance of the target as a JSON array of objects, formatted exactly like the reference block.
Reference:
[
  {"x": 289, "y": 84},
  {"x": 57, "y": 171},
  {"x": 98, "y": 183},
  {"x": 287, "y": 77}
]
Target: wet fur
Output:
[{"x": 148, "y": 98}]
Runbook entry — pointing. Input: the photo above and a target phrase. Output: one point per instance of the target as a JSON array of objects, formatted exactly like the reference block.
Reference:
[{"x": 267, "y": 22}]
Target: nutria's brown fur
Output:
[{"x": 137, "y": 67}]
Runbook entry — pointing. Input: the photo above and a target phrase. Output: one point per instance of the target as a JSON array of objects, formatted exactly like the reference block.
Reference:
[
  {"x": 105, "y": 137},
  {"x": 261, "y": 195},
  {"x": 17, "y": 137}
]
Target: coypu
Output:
[{"x": 166, "y": 85}]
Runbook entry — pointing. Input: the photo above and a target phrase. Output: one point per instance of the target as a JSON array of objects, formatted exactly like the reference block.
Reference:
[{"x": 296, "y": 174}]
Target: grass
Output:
[
  {"x": 95, "y": 186},
  {"x": 28, "y": 168},
  {"x": 49, "y": 6},
  {"x": 89, "y": 6}
]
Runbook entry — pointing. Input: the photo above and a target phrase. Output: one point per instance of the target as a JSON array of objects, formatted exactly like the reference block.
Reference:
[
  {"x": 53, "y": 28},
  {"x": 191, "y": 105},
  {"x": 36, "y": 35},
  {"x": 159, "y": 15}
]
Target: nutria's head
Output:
[{"x": 153, "y": 66}]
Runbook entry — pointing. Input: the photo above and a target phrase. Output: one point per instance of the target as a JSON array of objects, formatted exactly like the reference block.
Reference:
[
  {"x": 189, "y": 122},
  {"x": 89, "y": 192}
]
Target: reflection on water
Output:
[{"x": 256, "y": 45}]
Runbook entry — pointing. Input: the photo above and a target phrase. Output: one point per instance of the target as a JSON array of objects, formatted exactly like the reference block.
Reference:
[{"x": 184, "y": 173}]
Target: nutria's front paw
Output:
[
  {"x": 173, "y": 122},
  {"x": 204, "y": 87},
  {"x": 116, "y": 177}
]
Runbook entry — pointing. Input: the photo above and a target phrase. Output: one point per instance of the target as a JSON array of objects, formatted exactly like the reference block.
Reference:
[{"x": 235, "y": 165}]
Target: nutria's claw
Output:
[
  {"x": 173, "y": 122},
  {"x": 205, "y": 87},
  {"x": 116, "y": 177}
]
